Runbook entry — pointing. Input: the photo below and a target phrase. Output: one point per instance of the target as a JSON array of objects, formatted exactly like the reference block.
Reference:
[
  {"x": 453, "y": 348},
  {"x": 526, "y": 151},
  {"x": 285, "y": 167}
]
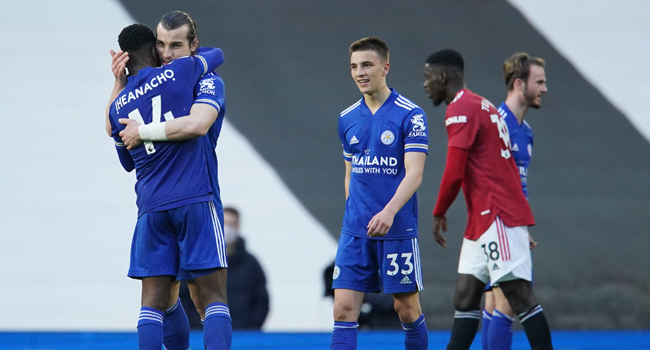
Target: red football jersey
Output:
[{"x": 491, "y": 183}]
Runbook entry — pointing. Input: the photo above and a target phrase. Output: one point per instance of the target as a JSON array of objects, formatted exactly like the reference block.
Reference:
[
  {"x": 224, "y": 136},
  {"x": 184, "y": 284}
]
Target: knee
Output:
[
  {"x": 520, "y": 296},
  {"x": 158, "y": 300},
  {"x": 344, "y": 312},
  {"x": 406, "y": 313},
  {"x": 522, "y": 303},
  {"x": 465, "y": 301}
]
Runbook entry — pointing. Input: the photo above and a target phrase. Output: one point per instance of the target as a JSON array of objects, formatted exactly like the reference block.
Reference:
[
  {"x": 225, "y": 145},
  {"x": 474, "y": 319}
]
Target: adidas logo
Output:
[
  {"x": 354, "y": 140},
  {"x": 495, "y": 267},
  {"x": 514, "y": 147},
  {"x": 405, "y": 280}
]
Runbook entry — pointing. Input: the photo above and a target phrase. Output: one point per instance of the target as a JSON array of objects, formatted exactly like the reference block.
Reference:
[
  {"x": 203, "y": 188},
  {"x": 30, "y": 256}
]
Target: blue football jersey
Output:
[
  {"x": 211, "y": 90},
  {"x": 521, "y": 144},
  {"x": 169, "y": 174},
  {"x": 375, "y": 145}
]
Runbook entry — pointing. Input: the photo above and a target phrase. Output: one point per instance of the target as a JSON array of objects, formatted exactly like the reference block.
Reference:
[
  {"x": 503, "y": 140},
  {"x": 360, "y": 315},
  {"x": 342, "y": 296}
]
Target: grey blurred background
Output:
[{"x": 287, "y": 80}]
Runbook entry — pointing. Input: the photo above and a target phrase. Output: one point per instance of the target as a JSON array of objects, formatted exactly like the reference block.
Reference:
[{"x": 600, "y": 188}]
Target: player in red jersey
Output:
[{"x": 496, "y": 245}]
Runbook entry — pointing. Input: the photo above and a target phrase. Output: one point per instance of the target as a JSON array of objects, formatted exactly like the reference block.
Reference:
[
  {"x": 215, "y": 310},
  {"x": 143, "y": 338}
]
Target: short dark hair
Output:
[
  {"x": 232, "y": 211},
  {"x": 136, "y": 37},
  {"x": 447, "y": 58},
  {"x": 518, "y": 67},
  {"x": 177, "y": 19},
  {"x": 371, "y": 44}
]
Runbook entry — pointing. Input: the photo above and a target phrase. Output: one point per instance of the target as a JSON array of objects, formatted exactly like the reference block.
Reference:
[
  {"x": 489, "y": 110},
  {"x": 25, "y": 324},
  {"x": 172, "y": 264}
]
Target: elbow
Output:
[
  {"x": 128, "y": 167},
  {"x": 198, "y": 129},
  {"x": 417, "y": 181}
]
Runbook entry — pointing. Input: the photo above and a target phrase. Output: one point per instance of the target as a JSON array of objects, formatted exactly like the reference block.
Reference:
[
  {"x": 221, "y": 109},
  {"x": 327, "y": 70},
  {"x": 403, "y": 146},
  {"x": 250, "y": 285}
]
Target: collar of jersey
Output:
[
  {"x": 365, "y": 110},
  {"x": 142, "y": 73},
  {"x": 459, "y": 94},
  {"x": 504, "y": 106},
  {"x": 509, "y": 114}
]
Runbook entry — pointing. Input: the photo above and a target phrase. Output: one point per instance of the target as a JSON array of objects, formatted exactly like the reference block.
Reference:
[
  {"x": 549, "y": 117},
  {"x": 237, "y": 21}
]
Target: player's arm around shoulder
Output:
[
  {"x": 196, "y": 124},
  {"x": 204, "y": 112}
]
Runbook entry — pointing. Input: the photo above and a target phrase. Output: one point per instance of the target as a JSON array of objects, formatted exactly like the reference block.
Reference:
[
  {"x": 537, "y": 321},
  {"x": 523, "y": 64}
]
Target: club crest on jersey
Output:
[
  {"x": 387, "y": 137},
  {"x": 337, "y": 272}
]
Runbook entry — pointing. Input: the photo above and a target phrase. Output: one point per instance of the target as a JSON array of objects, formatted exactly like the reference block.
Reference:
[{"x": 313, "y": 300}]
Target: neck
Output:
[
  {"x": 133, "y": 69},
  {"x": 452, "y": 90},
  {"x": 516, "y": 106},
  {"x": 377, "y": 98}
]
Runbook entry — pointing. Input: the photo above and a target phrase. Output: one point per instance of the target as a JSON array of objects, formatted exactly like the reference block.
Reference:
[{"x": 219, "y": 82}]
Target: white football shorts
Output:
[{"x": 501, "y": 254}]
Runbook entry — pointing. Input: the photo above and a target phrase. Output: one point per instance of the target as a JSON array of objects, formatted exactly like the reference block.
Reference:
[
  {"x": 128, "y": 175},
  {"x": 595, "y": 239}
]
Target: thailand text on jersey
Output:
[
  {"x": 169, "y": 174},
  {"x": 491, "y": 183},
  {"x": 375, "y": 145},
  {"x": 521, "y": 143},
  {"x": 211, "y": 91}
]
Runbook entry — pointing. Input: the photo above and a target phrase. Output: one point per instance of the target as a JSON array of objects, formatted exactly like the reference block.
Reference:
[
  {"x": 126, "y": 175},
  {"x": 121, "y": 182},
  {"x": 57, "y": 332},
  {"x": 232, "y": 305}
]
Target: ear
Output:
[
  {"x": 154, "y": 55},
  {"x": 520, "y": 85},
  {"x": 443, "y": 78},
  {"x": 194, "y": 45},
  {"x": 386, "y": 69}
]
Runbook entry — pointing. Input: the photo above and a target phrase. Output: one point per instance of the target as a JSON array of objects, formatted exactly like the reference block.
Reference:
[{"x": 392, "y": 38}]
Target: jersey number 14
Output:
[{"x": 155, "y": 118}]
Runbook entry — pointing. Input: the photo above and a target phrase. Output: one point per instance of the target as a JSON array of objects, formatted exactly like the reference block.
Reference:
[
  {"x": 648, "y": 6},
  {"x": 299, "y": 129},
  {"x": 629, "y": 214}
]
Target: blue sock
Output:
[
  {"x": 205, "y": 346},
  {"x": 485, "y": 328},
  {"x": 416, "y": 336},
  {"x": 500, "y": 334},
  {"x": 344, "y": 336},
  {"x": 176, "y": 328},
  {"x": 217, "y": 327},
  {"x": 150, "y": 329}
]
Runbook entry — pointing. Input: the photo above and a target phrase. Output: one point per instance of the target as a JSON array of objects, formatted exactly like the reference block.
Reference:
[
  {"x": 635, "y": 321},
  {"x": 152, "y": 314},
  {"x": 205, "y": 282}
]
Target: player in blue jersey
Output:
[
  {"x": 177, "y": 37},
  {"x": 526, "y": 82},
  {"x": 176, "y": 232},
  {"x": 385, "y": 144}
]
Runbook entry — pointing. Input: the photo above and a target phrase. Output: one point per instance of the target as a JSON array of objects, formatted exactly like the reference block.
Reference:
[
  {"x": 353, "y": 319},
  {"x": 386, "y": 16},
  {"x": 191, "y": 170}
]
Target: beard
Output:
[{"x": 531, "y": 100}]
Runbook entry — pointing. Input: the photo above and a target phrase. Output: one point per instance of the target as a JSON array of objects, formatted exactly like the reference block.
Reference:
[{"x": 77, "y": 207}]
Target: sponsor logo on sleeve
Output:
[
  {"x": 455, "y": 120},
  {"x": 206, "y": 86},
  {"x": 354, "y": 140},
  {"x": 419, "y": 128}
]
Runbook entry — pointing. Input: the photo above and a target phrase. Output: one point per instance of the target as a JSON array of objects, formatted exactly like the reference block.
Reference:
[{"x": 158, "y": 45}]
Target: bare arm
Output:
[
  {"x": 348, "y": 176},
  {"x": 196, "y": 124},
  {"x": 381, "y": 223}
]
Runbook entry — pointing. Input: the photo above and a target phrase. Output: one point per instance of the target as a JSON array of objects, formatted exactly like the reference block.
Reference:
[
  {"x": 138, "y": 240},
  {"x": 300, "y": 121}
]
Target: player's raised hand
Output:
[
  {"x": 380, "y": 224},
  {"x": 439, "y": 222},
  {"x": 118, "y": 66},
  {"x": 130, "y": 135}
]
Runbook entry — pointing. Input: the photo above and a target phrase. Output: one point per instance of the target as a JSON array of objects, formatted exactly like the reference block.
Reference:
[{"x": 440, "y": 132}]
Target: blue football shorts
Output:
[
  {"x": 186, "y": 242},
  {"x": 372, "y": 265}
]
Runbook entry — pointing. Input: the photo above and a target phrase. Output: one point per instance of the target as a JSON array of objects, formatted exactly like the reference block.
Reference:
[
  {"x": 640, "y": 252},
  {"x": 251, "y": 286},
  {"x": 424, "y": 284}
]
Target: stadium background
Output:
[{"x": 67, "y": 209}]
